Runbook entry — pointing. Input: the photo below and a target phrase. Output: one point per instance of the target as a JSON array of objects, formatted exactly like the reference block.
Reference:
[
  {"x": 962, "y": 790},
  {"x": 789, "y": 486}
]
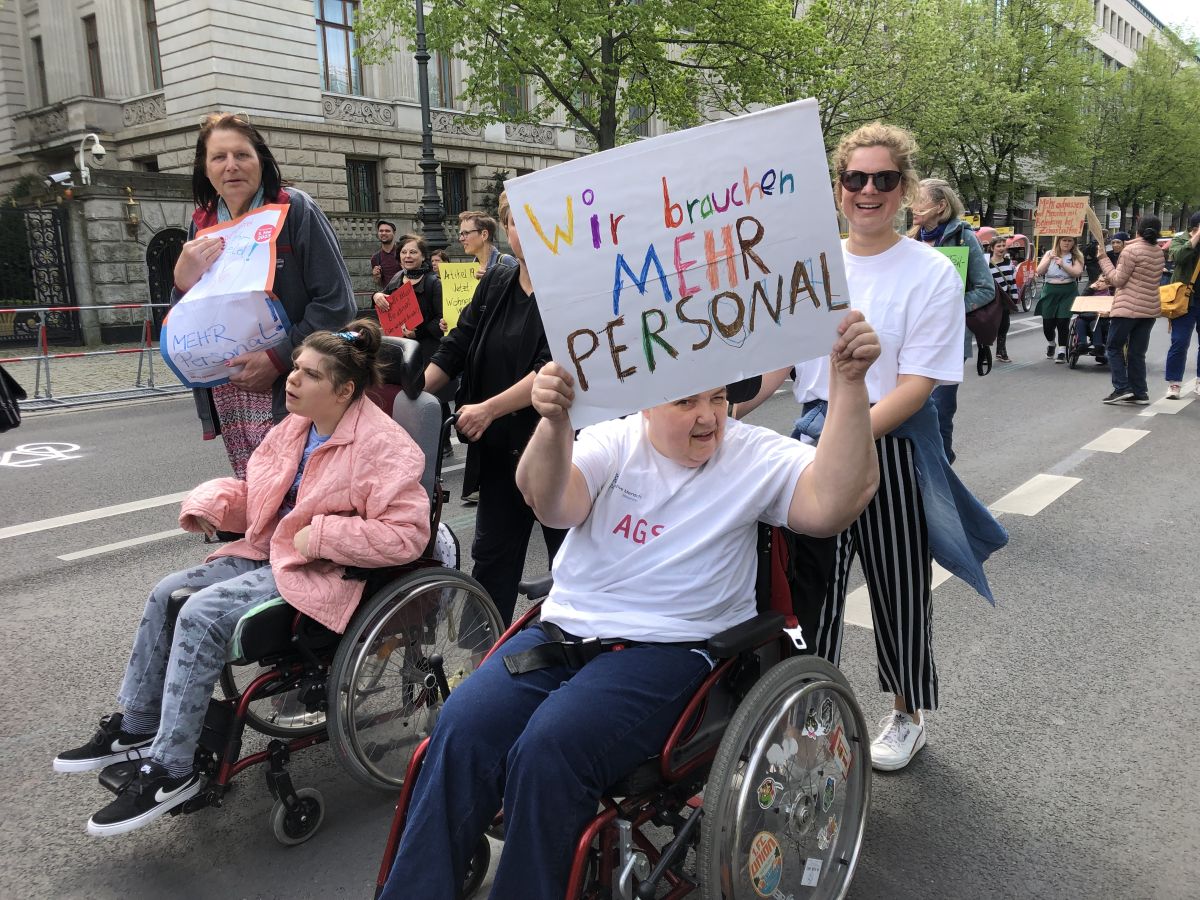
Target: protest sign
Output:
[
  {"x": 458, "y": 287},
  {"x": 960, "y": 256},
  {"x": 685, "y": 262},
  {"x": 1059, "y": 216},
  {"x": 403, "y": 312},
  {"x": 230, "y": 310}
]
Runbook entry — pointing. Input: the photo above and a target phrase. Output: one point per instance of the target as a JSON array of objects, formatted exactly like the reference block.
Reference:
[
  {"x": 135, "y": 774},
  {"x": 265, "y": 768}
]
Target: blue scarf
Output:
[
  {"x": 934, "y": 234},
  {"x": 223, "y": 210}
]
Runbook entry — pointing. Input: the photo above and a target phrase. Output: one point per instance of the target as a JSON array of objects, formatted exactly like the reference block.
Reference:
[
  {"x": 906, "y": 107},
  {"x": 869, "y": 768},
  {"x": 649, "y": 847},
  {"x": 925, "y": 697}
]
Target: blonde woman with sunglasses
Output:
[{"x": 913, "y": 298}]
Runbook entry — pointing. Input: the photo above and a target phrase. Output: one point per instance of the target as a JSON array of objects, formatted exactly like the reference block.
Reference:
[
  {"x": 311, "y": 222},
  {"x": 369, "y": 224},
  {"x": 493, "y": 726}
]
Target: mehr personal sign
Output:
[
  {"x": 1059, "y": 216},
  {"x": 688, "y": 261}
]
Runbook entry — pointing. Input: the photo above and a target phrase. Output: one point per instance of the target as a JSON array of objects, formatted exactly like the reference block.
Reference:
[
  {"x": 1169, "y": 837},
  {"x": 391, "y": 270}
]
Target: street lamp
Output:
[
  {"x": 432, "y": 214},
  {"x": 98, "y": 154}
]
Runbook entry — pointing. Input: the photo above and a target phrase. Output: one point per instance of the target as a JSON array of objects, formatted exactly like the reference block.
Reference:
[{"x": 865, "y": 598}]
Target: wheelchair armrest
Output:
[
  {"x": 745, "y": 636},
  {"x": 536, "y": 588},
  {"x": 403, "y": 364}
]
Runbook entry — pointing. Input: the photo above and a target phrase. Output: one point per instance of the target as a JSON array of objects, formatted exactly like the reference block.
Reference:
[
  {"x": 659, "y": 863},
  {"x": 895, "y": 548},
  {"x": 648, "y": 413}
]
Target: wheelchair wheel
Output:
[
  {"x": 383, "y": 694},
  {"x": 281, "y": 715},
  {"x": 477, "y": 867},
  {"x": 296, "y": 826},
  {"x": 1074, "y": 341},
  {"x": 787, "y": 797}
]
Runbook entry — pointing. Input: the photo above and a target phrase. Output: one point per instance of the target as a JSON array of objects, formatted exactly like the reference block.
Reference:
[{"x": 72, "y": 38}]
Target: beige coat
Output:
[{"x": 1134, "y": 280}]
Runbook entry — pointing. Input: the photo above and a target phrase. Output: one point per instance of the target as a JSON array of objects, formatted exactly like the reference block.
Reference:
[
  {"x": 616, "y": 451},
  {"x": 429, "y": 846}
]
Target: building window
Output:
[
  {"x": 152, "y": 45},
  {"x": 441, "y": 81},
  {"x": 362, "y": 179},
  {"x": 39, "y": 71},
  {"x": 337, "y": 46},
  {"x": 95, "y": 72},
  {"x": 454, "y": 191},
  {"x": 515, "y": 102}
]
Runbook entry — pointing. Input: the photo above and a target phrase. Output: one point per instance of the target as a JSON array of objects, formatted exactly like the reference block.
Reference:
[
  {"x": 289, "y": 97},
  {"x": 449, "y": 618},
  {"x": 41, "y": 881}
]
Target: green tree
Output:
[
  {"x": 1019, "y": 69},
  {"x": 611, "y": 64}
]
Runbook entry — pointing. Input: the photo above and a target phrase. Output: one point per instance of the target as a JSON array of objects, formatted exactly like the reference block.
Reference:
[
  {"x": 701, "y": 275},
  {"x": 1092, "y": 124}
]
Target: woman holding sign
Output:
[
  {"x": 234, "y": 173},
  {"x": 913, "y": 298},
  {"x": 1060, "y": 266},
  {"x": 497, "y": 347}
]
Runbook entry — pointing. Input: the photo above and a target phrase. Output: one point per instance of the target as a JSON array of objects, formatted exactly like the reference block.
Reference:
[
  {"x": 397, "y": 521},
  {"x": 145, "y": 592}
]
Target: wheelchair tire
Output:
[
  {"x": 786, "y": 800},
  {"x": 281, "y": 715},
  {"x": 381, "y": 704},
  {"x": 477, "y": 868},
  {"x": 293, "y": 827},
  {"x": 1073, "y": 344}
]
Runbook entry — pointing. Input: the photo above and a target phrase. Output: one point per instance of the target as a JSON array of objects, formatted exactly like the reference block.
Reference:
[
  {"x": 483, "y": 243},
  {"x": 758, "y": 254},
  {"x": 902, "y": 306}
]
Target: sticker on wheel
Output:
[
  {"x": 826, "y": 715},
  {"x": 812, "y": 872},
  {"x": 768, "y": 791},
  {"x": 840, "y": 750},
  {"x": 765, "y": 864},
  {"x": 828, "y": 834},
  {"x": 828, "y": 793}
]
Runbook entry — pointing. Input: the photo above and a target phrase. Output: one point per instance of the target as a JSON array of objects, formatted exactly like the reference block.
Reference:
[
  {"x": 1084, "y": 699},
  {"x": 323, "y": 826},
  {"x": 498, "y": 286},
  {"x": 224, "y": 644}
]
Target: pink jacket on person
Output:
[
  {"x": 361, "y": 493},
  {"x": 1135, "y": 280}
]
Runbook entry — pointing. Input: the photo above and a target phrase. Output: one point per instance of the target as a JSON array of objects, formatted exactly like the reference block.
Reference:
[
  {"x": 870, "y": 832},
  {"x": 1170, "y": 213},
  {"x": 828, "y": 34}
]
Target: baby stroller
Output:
[{"x": 1089, "y": 328}]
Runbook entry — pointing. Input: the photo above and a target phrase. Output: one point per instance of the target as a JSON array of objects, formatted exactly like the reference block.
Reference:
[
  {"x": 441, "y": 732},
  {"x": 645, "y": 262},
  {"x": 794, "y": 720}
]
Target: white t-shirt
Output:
[
  {"x": 667, "y": 553},
  {"x": 912, "y": 296}
]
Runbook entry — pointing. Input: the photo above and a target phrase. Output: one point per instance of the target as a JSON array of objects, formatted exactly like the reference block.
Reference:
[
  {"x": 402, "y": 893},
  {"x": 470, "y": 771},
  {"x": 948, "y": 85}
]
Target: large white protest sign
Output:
[
  {"x": 230, "y": 310},
  {"x": 678, "y": 264}
]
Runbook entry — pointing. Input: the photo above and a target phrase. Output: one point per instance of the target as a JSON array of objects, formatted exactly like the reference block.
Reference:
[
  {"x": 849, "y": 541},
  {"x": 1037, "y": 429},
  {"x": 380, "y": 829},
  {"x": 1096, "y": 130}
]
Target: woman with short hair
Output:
[{"x": 477, "y": 232}]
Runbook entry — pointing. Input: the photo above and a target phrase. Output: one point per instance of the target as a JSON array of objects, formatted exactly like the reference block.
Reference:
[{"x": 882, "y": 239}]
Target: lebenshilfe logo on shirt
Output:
[{"x": 624, "y": 491}]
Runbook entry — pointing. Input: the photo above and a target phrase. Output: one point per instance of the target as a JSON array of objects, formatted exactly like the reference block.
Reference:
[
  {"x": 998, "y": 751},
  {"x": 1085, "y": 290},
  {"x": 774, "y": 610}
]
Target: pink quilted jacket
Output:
[
  {"x": 361, "y": 493},
  {"x": 1135, "y": 280}
]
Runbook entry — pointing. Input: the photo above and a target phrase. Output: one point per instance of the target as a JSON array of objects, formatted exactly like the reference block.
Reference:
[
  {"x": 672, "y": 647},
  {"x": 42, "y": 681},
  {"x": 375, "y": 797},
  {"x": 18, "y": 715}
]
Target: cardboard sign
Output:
[
  {"x": 685, "y": 262},
  {"x": 230, "y": 310},
  {"x": 1060, "y": 216},
  {"x": 458, "y": 289},
  {"x": 1093, "y": 303},
  {"x": 403, "y": 312},
  {"x": 960, "y": 256}
]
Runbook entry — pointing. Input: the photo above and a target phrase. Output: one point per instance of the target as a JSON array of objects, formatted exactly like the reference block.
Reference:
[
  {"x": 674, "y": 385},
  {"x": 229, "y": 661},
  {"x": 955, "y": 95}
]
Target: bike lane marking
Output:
[
  {"x": 121, "y": 545},
  {"x": 90, "y": 515},
  {"x": 1116, "y": 440},
  {"x": 1035, "y": 494}
]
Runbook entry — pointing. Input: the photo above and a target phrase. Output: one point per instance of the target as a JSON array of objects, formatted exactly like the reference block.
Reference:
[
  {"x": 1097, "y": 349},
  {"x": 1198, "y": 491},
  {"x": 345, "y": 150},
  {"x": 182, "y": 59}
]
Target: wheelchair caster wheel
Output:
[
  {"x": 296, "y": 826},
  {"x": 477, "y": 868}
]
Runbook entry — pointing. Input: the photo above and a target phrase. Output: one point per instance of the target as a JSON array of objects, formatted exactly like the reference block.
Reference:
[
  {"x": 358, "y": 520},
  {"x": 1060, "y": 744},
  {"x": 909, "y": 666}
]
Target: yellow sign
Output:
[
  {"x": 458, "y": 287},
  {"x": 1005, "y": 229},
  {"x": 973, "y": 221}
]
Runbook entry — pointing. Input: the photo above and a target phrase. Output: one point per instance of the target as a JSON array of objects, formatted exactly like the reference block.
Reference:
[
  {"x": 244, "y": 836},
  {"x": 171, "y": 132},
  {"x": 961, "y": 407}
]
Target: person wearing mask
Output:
[
  {"x": 234, "y": 173},
  {"x": 1003, "y": 276},
  {"x": 385, "y": 262},
  {"x": 937, "y": 221},
  {"x": 913, "y": 298},
  {"x": 1060, "y": 266},
  {"x": 497, "y": 348},
  {"x": 1134, "y": 280},
  {"x": 477, "y": 234},
  {"x": 1186, "y": 255}
]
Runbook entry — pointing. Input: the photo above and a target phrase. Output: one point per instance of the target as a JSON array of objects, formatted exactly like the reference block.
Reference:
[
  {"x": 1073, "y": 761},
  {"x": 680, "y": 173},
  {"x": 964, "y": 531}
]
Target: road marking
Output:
[
  {"x": 29, "y": 455},
  {"x": 90, "y": 515},
  {"x": 1034, "y": 495},
  {"x": 858, "y": 602},
  {"x": 1116, "y": 440},
  {"x": 121, "y": 545},
  {"x": 1166, "y": 407}
]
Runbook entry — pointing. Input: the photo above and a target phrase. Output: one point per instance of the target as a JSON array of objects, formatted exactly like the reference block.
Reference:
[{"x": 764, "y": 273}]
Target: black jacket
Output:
[{"x": 460, "y": 353}]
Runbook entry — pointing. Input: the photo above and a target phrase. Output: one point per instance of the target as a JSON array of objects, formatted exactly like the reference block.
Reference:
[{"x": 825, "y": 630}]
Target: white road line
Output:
[
  {"x": 1166, "y": 407},
  {"x": 1116, "y": 440},
  {"x": 121, "y": 545},
  {"x": 90, "y": 515},
  {"x": 1034, "y": 495},
  {"x": 858, "y": 602}
]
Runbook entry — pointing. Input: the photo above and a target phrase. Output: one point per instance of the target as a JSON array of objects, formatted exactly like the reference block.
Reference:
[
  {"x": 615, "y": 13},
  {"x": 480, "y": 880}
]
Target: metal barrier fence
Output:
[{"x": 42, "y": 395}]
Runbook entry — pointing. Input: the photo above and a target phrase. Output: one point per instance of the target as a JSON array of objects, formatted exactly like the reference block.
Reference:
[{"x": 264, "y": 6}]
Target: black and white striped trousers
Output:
[{"x": 891, "y": 539}]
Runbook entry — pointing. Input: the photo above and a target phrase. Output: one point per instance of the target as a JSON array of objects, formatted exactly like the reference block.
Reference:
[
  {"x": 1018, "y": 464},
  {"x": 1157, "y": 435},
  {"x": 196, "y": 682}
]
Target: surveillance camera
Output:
[
  {"x": 60, "y": 179},
  {"x": 98, "y": 152}
]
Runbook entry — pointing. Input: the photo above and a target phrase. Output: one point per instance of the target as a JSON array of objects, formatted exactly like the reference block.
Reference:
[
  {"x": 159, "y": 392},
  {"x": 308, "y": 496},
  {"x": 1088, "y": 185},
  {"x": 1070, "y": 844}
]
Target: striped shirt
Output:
[{"x": 1003, "y": 275}]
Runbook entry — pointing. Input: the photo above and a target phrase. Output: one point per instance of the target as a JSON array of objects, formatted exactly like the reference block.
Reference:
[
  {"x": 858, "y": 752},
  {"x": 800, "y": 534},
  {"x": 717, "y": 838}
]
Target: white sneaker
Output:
[
  {"x": 1173, "y": 391},
  {"x": 898, "y": 743}
]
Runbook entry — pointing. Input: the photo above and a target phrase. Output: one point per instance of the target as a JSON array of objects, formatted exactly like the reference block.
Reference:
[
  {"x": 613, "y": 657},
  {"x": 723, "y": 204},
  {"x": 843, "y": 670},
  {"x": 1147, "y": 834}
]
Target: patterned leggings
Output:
[{"x": 174, "y": 674}]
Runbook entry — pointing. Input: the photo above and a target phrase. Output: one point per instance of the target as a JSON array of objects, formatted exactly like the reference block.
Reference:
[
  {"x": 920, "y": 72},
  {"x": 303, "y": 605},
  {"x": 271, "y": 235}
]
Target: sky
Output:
[{"x": 1176, "y": 12}]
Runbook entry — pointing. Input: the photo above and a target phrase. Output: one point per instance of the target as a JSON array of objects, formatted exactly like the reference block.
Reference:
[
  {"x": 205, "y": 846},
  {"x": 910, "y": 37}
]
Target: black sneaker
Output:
[
  {"x": 1118, "y": 397},
  {"x": 1140, "y": 400},
  {"x": 1061, "y": 358},
  {"x": 108, "y": 745},
  {"x": 147, "y": 796},
  {"x": 1049, "y": 351}
]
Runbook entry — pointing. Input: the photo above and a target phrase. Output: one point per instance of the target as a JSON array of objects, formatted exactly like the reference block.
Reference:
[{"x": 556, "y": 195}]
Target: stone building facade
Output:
[{"x": 140, "y": 74}]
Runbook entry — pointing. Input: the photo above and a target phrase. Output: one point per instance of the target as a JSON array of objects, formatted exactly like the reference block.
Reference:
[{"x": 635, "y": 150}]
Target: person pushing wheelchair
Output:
[{"x": 663, "y": 509}]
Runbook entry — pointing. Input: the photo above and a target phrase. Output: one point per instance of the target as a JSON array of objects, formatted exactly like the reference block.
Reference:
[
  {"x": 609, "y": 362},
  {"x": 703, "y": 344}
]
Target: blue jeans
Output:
[
  {"x": 945, "y": 399},
  {"x": 544, "y": 745},
  {"x": 1181, "y": 335},
  {"x": 1127, "y": 343}
]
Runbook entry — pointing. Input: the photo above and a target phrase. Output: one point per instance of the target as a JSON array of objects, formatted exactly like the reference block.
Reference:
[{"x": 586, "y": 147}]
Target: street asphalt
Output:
[{"x": 1057, "y": 766}]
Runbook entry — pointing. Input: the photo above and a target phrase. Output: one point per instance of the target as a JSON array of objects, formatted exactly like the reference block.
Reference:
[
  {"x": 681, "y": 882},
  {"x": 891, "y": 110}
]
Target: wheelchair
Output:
[
  {"x": 765, "y": 777},
  {"x": 1088, "y": 334},
  {"x": 373, "y": 692}
]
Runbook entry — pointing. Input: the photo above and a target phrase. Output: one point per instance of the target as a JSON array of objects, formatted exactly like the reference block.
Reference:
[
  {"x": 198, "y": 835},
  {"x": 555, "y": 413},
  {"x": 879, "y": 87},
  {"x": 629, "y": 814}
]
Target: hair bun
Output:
[{"x": 369, "y": 335}]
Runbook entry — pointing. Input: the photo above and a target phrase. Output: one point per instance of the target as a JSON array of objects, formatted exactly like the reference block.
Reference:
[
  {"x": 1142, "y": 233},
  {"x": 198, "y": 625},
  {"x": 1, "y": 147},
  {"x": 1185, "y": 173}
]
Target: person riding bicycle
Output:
[
  {"x": 335, "y": 484},
  {"x": 663, "y": 509}
]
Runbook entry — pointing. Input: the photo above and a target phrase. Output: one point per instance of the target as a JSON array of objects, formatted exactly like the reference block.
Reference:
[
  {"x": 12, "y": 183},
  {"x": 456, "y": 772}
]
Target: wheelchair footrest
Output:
[{"x": 118, "y": 775}]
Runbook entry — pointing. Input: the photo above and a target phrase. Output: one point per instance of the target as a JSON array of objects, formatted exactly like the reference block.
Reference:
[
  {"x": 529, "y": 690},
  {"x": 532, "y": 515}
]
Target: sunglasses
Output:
[
  {"x": 463, "y": 234},
  {"x": 855, "y": 181}
]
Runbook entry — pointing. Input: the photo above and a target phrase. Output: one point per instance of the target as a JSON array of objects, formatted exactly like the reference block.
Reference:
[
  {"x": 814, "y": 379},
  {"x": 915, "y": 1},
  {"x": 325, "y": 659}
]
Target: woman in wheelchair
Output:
[
  {"x": 335, "y": 484},
  {"x": 663, "y": 509}
]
